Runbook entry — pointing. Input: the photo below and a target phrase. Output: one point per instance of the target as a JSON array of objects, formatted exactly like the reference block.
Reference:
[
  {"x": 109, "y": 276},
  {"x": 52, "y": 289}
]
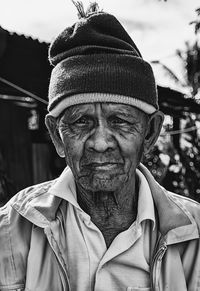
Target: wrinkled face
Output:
[{"x": 103, "y": 143}]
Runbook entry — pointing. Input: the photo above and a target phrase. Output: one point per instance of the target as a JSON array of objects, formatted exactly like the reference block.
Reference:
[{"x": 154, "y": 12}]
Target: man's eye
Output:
[
  {"x": 117, "y": 121},
  {"x": 85, "y": 120}
]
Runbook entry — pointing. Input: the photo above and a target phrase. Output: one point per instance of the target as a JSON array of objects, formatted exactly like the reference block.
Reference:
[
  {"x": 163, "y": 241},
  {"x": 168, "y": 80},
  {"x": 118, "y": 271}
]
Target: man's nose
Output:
[{"x": 101, "y": 140}]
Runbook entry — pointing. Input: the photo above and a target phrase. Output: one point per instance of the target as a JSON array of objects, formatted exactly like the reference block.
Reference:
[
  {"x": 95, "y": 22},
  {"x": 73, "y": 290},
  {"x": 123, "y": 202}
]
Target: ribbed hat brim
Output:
[{"x": 100, "y": 97}]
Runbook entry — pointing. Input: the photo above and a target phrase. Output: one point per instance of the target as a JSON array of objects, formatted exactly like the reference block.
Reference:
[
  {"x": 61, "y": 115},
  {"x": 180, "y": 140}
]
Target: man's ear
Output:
[
  {"x": 154, "y": 127},
  {"x": 51, "y": 125}
]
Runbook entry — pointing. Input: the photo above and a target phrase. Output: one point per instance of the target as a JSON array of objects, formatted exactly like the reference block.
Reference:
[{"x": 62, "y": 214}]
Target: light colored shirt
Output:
[{"x": 93, "y": 267}]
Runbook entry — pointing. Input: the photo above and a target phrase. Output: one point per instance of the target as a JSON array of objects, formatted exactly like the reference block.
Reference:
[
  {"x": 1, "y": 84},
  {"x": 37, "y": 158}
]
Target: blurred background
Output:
[{"x": 167, "y": 34}]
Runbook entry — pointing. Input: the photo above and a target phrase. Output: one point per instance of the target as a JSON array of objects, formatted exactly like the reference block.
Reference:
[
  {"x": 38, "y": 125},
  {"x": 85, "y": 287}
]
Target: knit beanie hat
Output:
[{"x": 95, "y": 60}]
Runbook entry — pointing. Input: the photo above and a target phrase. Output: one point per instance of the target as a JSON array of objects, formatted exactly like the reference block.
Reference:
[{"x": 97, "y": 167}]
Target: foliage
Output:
[
  {"x": 178, "y": 168},
  {"x": 175, "y": 160},
  {"x": 197, "y": 21}
]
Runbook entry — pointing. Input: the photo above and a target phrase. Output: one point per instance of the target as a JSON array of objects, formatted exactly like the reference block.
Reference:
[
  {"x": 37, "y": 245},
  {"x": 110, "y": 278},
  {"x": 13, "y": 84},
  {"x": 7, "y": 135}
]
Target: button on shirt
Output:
[{"x": 93, "y": 266}]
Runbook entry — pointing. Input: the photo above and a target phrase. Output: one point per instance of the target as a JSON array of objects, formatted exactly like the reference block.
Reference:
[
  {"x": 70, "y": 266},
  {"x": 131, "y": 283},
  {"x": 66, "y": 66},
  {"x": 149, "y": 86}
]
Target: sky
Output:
[{"x": 158, "y": 27}]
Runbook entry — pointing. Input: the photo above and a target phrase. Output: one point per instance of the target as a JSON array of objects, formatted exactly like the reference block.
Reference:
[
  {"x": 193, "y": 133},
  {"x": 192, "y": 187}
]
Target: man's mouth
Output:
[{"x": 102, "y": 166}]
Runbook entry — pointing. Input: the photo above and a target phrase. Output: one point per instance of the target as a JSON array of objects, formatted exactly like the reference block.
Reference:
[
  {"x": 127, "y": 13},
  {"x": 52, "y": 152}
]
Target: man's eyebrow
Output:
[
  {"x": 76, "y": 110},
  {"x": 123, "y": 112},
  {"x": 126, "y": 112}
]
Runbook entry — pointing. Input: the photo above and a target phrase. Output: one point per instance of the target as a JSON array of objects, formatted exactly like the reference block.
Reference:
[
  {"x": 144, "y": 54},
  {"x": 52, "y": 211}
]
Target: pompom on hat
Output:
[{"x": 95, "y": 60}]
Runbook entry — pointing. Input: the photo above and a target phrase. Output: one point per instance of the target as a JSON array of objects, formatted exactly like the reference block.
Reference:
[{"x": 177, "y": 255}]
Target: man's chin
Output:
[{"x": 98, "y": 183}]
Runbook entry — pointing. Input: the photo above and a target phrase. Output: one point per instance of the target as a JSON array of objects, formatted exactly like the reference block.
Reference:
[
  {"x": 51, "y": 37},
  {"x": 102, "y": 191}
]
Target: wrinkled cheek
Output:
[
  {"x": 133, "y": 157},
  {"x": 140, "y": 154},
  {"x": 72, "y": 158}
]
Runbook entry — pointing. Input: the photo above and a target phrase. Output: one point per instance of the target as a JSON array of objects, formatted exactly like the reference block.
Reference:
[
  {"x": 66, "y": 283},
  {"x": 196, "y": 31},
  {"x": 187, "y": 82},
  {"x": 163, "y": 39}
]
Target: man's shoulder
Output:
[
  {"x": 16, "y": 230},
  {"x": 29, "y": 193},
  {"x": 186, "y": 201},
  {"x": 187, "y": 204},
  {"x": 23, "y": 199}
]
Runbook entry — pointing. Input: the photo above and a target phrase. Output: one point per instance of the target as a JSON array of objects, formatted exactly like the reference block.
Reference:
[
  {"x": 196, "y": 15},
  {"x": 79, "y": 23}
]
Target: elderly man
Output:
[{"x": 104, "y": 224}]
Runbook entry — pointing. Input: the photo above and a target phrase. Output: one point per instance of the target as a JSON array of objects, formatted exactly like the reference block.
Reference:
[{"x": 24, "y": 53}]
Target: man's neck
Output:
[{"x": 111, "y": 212}]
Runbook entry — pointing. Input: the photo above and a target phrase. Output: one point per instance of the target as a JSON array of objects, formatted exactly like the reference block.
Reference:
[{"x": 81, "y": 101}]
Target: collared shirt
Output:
[{"x": 91, "y": 266}]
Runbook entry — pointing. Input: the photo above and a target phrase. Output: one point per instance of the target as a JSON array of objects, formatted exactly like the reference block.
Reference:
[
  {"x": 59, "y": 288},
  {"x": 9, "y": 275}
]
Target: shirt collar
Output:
[
  {"x": 65, "y": 188},
  {"x": 146, "y": 208}
]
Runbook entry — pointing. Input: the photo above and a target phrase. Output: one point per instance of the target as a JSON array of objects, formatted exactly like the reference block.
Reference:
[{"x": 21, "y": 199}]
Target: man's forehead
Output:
[{"x": 107, "y": 107}]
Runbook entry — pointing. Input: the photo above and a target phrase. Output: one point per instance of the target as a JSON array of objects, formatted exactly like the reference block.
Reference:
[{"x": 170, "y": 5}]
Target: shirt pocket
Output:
[{"x": 138, "y": 289}]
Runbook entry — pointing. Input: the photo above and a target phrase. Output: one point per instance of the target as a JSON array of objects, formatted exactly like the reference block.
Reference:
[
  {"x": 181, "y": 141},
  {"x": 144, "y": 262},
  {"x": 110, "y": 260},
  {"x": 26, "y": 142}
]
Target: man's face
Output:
[{"x": 103, "y": 143}]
